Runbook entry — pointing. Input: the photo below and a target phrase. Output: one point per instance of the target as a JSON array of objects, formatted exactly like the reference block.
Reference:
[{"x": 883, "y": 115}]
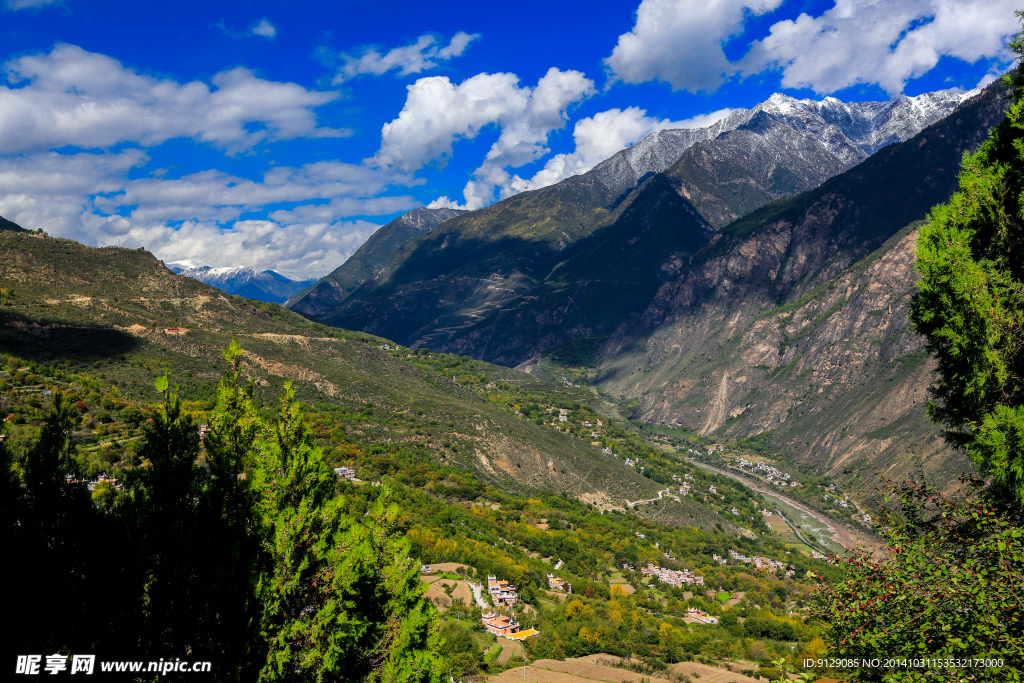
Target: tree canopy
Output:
[{"x": 970, "y": 306}]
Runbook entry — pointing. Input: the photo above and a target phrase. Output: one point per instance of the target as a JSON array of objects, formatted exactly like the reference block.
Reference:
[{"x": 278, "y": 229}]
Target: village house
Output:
[
  {"x": 501, "y": 592},
  {"x": 701, "y": 617},
  {"x": 558, "y": 584},
  {"x": 175, "y": 331},
  {"x": 345, "y": 472}
]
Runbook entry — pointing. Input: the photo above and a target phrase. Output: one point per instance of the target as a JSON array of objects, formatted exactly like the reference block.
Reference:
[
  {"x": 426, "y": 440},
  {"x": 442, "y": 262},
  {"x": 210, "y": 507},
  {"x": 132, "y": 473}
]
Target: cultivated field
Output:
[{"x": 436, "y": 593}]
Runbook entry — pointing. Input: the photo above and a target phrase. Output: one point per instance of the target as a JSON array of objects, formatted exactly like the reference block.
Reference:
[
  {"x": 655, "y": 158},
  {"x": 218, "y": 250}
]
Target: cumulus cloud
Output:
[
  {"x": 426, "y": 53},
  {"x": 265, "y": 29},
  {"x": 299, "y": 251},
  {"x": 888, "y": 43},
  {"x": 680, "y": 42},
  {"x": 438, "y": 112},
  {"x": 88, "y": 100},
  {"x": 210, "y": 194},
  {"x": 89, "y": 197}
]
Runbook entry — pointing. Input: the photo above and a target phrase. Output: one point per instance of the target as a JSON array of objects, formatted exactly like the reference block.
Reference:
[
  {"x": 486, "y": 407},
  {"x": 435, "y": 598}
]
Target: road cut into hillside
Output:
[{"x": 845, "y": 536}]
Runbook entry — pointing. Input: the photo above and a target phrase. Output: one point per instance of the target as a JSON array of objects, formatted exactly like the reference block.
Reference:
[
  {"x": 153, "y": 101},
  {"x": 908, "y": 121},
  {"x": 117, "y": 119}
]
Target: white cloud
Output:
[
  {"x": 30, "y": 4},
  {"x": 680, "y": 42},
  {"x": 438, "y": 112},
  {"x": 78, "y": 98},
  {"x": 598, "y": 138},
  {"x": 424, "y": 54},
  {"x": 88, "y": 197},
  {"x": 299, "y": 251},
  {"x": 888, "y": 43},
  {"x": 265, "y": 29},
  {"x": 208, "y": 193}
]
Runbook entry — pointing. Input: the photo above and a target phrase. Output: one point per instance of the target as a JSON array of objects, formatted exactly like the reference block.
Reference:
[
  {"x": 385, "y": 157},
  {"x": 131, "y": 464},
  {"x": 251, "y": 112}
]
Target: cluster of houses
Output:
[
  {"x": 673, "y": 577},
  {"x": 841, "y": 502},
  {"x": 506, "y": 627},
  {"x": 568, "y": 383},
  {"x": 762, "y": 562},
  {"x": 686, "y": 480},
  {"x": 91, "y": 485},
  {"x": 558, "y": 584},
  {"x": 501, "y": 592},
  {"x": 345, "y": 472},
  {"x": 773, "y": 475}
]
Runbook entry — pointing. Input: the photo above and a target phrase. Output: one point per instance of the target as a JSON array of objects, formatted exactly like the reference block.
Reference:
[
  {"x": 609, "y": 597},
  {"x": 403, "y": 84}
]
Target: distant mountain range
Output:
[
  {"x": 568, "y": 257},
  {"x": 751, "y": 277},
  {"x": 266, "y": 286}
]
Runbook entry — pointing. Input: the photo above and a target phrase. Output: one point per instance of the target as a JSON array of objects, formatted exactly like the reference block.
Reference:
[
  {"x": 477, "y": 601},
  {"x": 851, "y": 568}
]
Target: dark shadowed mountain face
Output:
[
  {"x": 328, "y": 293},
  {"x": 10, "y": 225},
  {"x": 583, "y": 257},
  {"x": 265, "y": 286}
]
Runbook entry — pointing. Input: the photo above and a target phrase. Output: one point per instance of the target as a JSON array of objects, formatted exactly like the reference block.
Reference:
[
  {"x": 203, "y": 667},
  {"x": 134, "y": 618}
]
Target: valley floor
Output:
[{"x": 847, "y": 537}]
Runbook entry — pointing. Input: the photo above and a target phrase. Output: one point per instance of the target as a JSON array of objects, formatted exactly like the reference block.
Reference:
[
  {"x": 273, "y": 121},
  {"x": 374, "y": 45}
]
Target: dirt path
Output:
[
  {"x": 478, "y": 596},
  {"x": 845, "y": 536},
  {"x": 661, "y": 494}
]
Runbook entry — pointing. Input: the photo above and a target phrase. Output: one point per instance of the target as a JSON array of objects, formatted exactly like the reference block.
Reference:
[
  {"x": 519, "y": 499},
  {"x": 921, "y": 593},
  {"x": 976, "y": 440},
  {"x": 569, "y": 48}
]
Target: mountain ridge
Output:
[
  {"x": 330, "y": 290},
  {"x": 501, "y": 267}
]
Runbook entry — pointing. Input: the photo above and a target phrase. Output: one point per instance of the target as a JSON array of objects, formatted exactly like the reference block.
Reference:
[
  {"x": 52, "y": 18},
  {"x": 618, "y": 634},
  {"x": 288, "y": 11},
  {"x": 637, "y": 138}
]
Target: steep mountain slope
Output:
[
  {"x": 785, "y": 323},
  {"x": 111, "y": 309},
  {"x": 10, "y": 225},
  {"x": 326, "y": 294},
  {"x": 266, "y": 286},
  {"x": 498, "y": 283}
]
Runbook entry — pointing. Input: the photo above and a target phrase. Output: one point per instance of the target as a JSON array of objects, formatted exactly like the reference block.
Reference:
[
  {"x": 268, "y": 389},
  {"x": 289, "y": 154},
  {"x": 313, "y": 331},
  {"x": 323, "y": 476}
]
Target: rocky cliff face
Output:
[
  {"x": 842, "y": 134},
  {"x": 793, "y": 320}
]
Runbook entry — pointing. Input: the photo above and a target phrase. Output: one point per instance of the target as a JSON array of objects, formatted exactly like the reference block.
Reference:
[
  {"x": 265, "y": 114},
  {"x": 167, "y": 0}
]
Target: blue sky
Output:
[{"x": 280, "y": 135}]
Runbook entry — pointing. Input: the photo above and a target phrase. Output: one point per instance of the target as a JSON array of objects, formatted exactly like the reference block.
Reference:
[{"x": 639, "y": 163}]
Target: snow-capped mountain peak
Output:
[{"x": 266, "y": 286}]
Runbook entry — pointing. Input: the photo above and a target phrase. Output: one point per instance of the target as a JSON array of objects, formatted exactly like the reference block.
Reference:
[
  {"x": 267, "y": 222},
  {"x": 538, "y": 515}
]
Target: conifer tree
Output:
[
  {"x": 970, "y": 304},
  {"x": 195, "y": 540},
  {"x": 55, "y": 523},
  {"x": 341, "y": 598}
]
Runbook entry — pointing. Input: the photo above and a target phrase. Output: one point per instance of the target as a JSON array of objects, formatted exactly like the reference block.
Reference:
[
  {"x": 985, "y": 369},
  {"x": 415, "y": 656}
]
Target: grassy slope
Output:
[{"x": 109, "y": 306}]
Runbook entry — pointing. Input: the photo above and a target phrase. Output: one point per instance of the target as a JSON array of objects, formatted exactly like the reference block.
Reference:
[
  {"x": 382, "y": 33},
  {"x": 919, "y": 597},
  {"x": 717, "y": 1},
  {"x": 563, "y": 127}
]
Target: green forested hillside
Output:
[{"x": 482, "y": 469}]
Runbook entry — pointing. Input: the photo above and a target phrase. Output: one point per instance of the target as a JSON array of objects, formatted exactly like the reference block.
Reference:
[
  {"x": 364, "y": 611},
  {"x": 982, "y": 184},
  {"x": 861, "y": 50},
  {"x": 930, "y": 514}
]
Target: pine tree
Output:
[
  {"x": 970, "y": 305},
  {"x": 56, "y": 527},
  {"x": 341, "y": 598}
]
